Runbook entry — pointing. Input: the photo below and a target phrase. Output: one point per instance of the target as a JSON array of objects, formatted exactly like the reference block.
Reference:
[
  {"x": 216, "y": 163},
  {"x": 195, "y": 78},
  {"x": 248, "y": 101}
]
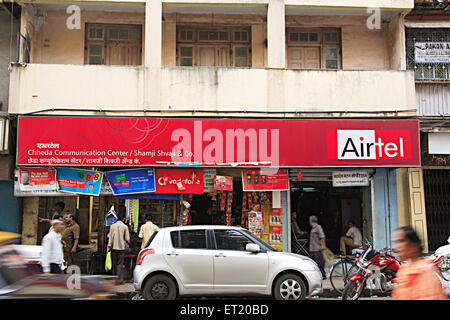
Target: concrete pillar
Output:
[
  {"x": 153, "y": 54},
  {"x": 276, "y": 34},
  {"x": 30, "y": 220},
  {"x": 84, "y": 221},
  {"x": 396, "y": 43},
  {"x": 258, "y": 45},
  {"x": 169, "y": 40}
]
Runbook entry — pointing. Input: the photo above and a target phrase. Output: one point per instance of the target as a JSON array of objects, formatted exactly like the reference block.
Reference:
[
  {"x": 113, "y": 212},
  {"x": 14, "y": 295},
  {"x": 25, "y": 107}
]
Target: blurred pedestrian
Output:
[
  {"x": 52, "y": 249},
  {"x": 70, "y": 236},
  {"x": 416, "y": 278},
  {"x": 352, "y": 239},
  {"x": 119, "y": 235},
  {"x": 147, "y": 230},
  {"x": 317, "y": 244}
]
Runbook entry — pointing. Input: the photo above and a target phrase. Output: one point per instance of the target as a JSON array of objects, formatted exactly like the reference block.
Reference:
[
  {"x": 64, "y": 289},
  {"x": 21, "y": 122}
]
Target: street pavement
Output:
[{"x": 126, "y": 291}]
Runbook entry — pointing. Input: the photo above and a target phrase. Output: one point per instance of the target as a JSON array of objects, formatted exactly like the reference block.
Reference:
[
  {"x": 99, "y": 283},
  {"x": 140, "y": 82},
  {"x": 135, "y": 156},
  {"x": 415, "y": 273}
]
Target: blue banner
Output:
[
  {"x": 79, "y": 181},
  {"x": 132, "y": 181}
]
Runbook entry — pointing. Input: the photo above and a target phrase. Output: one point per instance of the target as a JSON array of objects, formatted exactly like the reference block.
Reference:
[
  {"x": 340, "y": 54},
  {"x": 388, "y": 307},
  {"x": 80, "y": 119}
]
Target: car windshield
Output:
[{"x": 260, "y": 242}]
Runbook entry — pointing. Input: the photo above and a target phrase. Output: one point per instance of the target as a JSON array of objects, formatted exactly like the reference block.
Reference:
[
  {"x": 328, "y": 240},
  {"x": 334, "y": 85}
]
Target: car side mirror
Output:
[{"x": 252, "y": 247}]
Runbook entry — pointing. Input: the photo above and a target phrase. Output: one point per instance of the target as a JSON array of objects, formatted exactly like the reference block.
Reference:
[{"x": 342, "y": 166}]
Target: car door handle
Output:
[
  {"x": 173, "y": 254},
  {"x": 220, "y": 255}
]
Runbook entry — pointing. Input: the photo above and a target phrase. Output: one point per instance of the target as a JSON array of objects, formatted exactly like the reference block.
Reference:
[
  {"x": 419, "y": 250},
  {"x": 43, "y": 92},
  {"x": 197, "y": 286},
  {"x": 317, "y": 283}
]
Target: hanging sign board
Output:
[
  {"x": 179, "y": 181},
  {"x": 133, "y": 181},
  {"x": 223, "y": 183},
  {"x": 37, "y": 179},
  {"x": 79, "y": 181},
  {"x": 255, "y": 180},
  {"x": 435, "y": 52}
]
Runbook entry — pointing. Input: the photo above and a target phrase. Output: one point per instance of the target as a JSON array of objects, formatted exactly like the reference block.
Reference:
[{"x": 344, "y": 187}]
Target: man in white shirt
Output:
[
  {"x": 147, "y": 230},
  {"x": 52, "y": 249},
  {"x": 352, "y": 239}
]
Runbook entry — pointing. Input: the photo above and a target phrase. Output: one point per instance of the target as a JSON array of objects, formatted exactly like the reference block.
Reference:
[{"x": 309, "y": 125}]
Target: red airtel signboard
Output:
[{"x": 109, "y": 142}]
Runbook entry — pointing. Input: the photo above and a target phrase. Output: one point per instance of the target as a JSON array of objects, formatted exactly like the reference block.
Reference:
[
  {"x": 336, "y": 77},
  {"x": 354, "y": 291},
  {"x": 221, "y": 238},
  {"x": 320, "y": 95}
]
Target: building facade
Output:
[
  {"x": 9, "y": 26},
  {"x": 320, "y": 72},
  {"x": 427, "y": 30}
]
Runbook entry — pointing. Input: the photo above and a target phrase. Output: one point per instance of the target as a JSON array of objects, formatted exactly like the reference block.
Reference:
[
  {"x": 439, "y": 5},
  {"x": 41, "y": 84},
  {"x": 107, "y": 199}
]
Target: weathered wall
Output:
[
  {"x": 362, "y": 48},
  {"x": 7, "y": 54},
  {"x": 53, "y": 42}
]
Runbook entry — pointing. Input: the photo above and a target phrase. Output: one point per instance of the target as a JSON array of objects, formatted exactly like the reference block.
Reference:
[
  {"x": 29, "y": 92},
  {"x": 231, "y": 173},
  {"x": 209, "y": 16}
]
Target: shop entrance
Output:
[
  {"x": 334, "y": 207},
  {"x": 210, "y": 208}
]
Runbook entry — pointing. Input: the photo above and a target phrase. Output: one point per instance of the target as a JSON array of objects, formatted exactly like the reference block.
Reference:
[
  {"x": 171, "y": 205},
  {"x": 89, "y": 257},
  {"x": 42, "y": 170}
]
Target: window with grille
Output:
[{"x": 438, "y": 70}]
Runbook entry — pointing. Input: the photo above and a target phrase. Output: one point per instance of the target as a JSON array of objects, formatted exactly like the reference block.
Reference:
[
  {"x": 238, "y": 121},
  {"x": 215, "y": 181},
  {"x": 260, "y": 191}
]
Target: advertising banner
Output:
[
  {"x": 138, "y": 142},
  {"x": 258, "y": 180},
  {"x": 179, "y": 181},
  {"x": 79, "y": 181},
  {"x": 132, "y": 181},
  {"x": 37, "y": 179},
  {"x": 223, "y": 183}
]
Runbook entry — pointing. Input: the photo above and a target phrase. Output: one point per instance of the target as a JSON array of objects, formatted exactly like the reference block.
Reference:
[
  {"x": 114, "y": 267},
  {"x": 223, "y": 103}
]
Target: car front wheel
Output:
[
  {"x": 289, "y": 287},
  {"x": 159, "y": 287}
]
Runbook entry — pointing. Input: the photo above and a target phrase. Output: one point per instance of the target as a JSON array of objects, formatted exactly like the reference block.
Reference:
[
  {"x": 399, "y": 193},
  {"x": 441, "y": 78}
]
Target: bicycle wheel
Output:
[{"x": 340, "y": 274}]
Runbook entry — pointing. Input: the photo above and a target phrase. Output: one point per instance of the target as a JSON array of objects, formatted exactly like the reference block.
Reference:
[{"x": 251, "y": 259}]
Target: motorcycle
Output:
[
  {"x": 377, "y": 270},
  {"x": 441, "y": 258}
]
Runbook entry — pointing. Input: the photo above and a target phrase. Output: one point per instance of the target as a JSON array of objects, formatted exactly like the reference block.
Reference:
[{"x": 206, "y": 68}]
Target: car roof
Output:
[{"x": 196, "y": 227}]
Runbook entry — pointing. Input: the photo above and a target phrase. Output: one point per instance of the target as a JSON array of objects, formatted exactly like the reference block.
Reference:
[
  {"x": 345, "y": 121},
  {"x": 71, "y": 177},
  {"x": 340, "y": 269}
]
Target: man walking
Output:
[
  {"x": 70, "y": 236},
  {"x": 52, "y": 249},
  {"x": 147, "y": 230},
  {"x": 352, "y": 239},
  {"x": 118, "y": 236},
  {"x": 317, "y": 244}
]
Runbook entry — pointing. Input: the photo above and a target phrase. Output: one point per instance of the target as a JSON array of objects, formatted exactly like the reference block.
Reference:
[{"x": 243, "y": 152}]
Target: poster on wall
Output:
[
  {"x": 179, "y": 181},
  {"x": 132, "y": 181},
  {"x": 223, "y": 183},
  {"x": 258, "y": 180},
  {"x": 37, "y": 179},
  {"x": 276, "y": 229},
  {"x": 256, "y": 223},
  {"x": 432, "y": 52},
  {"x": 79, "y": 181}
]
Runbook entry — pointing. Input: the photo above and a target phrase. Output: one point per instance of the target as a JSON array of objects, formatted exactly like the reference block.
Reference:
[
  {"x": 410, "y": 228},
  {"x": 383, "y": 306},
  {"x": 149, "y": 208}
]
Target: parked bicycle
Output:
[{"x": 342, "y": 270}]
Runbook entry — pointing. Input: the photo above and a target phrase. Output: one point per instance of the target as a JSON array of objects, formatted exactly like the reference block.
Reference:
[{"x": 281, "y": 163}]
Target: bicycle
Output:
[{"x": 342, "y": 270}]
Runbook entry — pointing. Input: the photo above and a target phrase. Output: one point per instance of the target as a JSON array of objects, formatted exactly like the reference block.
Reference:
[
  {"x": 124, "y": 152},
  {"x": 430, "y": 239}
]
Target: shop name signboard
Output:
[
  {"x": 372, "y": 144},
  {"x": 432, "y": 52},
  {"x": 140, "y": 142},
  {"x": 351, "y": 178}
]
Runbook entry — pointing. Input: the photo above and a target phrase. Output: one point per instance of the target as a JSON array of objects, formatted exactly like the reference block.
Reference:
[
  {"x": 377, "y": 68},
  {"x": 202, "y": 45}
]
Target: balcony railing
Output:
[{"x": 37, "y": 87}]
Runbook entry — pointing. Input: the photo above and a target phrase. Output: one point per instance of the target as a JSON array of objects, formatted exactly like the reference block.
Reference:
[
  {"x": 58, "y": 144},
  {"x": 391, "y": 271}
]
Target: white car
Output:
[
  {"x": 221, "y": 260},
  {"x": 32, "y": 254}
]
